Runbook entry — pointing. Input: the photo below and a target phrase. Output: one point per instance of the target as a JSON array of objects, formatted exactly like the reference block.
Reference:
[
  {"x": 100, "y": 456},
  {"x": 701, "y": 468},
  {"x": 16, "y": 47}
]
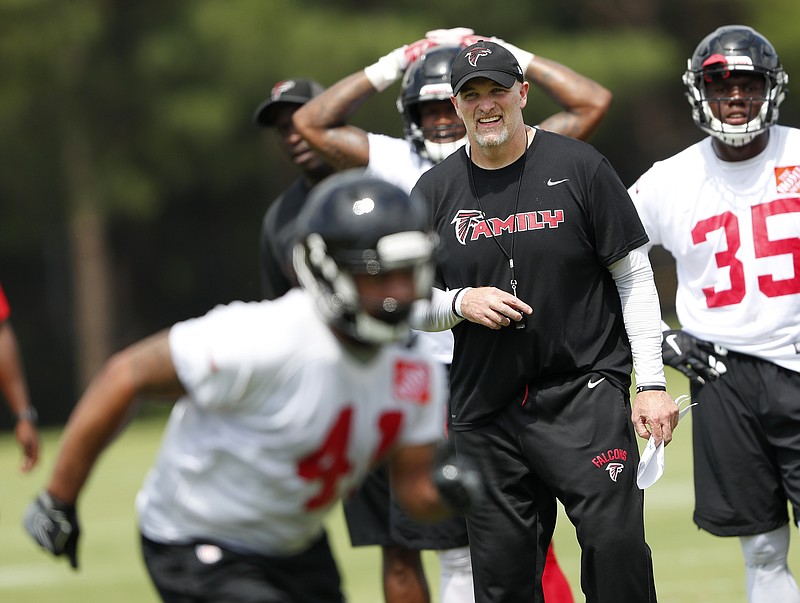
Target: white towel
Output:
[{"x": 651, "y": 465}]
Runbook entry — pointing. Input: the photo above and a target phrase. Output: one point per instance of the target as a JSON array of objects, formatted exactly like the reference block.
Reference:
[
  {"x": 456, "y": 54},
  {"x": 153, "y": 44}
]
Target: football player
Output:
[
  {"x": 284, "y": 407},
  {"x": 277, "y": 228},
  {"x": 14, "y": 386},
  {"x": 726, "y": 209}
]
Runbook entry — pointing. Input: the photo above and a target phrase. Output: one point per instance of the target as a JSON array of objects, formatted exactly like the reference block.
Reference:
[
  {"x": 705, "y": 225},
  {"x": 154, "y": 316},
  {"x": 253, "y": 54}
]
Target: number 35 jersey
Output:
[
  {"x": 734, "y": 231},
  {"x": 278, "y": 424}
]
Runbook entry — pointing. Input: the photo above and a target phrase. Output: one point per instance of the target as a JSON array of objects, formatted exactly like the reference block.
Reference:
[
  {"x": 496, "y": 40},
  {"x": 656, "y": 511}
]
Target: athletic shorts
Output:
[
  {"x": 574, "y": 441},
  {"x": 367, "y": 511},
  {"x": 374, "y": 518},
  {"x": 746, "y": 441},
  {"x": 204, "y": 572}
]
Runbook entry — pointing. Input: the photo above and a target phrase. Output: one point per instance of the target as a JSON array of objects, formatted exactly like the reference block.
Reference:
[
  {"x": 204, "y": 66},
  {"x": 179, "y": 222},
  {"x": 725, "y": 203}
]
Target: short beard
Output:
[{"x": 492, "y": 140}]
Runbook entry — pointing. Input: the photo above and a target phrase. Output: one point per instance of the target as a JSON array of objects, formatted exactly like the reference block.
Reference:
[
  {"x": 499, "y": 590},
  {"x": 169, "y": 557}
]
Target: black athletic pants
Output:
[{"x": 577, "y": 443}]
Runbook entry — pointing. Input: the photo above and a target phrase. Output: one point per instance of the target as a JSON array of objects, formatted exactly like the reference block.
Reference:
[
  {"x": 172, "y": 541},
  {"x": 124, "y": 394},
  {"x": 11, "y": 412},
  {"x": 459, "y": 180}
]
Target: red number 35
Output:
[{"x": 764, "y": 247}]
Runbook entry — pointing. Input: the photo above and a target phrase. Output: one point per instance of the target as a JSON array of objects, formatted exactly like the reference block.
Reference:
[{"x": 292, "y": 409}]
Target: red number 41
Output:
[{"x": 329, "y": 463}]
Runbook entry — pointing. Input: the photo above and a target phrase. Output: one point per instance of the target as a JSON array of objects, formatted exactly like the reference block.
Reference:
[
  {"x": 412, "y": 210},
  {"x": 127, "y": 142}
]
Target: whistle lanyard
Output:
[{"x": 506, "y": 254}]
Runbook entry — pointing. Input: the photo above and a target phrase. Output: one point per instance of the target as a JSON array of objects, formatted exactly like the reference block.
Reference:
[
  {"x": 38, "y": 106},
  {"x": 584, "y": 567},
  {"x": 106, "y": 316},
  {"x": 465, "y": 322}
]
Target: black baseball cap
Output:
[
  {"x": 485, "y": 59},
  {"x": 294, "y": 92}
]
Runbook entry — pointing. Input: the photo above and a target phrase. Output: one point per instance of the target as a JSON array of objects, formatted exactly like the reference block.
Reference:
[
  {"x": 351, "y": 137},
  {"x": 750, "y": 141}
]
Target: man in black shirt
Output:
[
  {"x": 277, "y": 230},
  {"x": 542, "y": 254}
]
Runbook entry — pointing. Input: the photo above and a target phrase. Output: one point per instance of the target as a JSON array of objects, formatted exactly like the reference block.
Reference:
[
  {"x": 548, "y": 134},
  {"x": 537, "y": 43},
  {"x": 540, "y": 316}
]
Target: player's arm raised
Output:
[
  {"x": 584, "y": 101},
  {"x": 322, "y": 121}
]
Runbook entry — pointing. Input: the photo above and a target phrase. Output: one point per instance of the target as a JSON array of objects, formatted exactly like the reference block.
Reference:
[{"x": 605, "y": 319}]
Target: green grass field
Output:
[{"x": 691, "y": 566}]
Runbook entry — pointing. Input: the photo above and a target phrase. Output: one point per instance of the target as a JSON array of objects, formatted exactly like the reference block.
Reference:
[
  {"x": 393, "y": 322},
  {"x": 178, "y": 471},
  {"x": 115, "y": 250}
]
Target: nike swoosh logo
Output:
[
  {"x": 593, "y": 384},
  {"x": 670, "y": 339},
  {"x": 551, "y": 182}
]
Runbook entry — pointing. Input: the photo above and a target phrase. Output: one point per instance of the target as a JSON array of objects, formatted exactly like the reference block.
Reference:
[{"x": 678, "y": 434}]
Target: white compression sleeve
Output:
[
  {"x": 642, "y": 315},
  {"x": 437, "y": 314}
]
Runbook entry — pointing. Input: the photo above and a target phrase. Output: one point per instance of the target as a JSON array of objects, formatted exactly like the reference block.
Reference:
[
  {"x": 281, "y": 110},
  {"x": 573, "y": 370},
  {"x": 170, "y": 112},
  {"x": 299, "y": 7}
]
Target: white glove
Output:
[
  {"x": 390, "y": 68},
  {"x": 456, "y": 35},
  {"x": 523, "y": 57}
]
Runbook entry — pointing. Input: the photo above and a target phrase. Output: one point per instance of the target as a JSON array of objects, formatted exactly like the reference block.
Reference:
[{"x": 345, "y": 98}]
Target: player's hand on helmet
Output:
[
  {"x": 53, "y": 524},
  {"x": 413, "y": 51},
  {"x": 453, "y": 36},
  {"x": 697, "y": 359},
  {"x": 459, "y": 482},
  {"x": 391, "y": 67}
]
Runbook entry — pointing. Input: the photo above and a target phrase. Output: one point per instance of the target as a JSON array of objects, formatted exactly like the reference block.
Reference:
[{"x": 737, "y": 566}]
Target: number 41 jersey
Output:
[
  {"x": 734, "y": 231},
  {"x": 278, "y": 424}
]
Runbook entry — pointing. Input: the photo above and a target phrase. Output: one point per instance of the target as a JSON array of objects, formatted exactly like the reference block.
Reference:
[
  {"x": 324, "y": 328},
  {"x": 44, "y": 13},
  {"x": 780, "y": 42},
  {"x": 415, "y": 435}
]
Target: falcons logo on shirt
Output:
[
  {"x": 614, "y": 469},
  {"x": 465, "y": 220}
]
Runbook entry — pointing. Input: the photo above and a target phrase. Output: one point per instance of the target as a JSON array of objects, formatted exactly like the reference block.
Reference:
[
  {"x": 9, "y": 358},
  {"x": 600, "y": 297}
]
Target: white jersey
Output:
[
  {"x": 278, "y": 424},
  {"x": 734, "y": 231},
  {"x": 397, "y": 161}
]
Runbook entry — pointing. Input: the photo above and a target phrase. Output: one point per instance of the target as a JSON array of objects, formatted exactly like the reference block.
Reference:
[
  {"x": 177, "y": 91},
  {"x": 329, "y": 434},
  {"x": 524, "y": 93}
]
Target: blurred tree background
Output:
[{"x": 133, "y": 182}]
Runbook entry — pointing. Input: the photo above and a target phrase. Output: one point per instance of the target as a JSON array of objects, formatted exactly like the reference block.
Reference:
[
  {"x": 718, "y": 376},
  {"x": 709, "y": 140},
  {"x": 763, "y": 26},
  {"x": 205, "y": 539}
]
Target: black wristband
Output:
[
  {"x": 455, "y": 297},
  {"x": 650, "y": 388}
]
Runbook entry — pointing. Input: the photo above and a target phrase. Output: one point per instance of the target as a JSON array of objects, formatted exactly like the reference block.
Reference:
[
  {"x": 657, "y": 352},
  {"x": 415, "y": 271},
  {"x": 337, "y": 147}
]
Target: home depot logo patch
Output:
[
  {"x": 412, "y": 381},
  {"x": 787, "y": 179}
]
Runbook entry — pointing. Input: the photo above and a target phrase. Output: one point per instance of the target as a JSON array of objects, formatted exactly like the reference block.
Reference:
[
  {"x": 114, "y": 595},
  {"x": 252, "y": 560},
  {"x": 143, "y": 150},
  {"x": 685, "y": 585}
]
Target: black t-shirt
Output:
[
  {"x": 277, "y": 240},
  {"x": 574, "y": 218}
]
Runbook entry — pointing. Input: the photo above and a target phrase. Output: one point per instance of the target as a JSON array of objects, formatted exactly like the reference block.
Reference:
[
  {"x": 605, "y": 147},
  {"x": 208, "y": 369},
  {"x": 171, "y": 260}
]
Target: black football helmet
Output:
[
  {"x": 354, "y": 224},
  {"x": 428, "y": 79},
  {"x": 735, "y": 48}
]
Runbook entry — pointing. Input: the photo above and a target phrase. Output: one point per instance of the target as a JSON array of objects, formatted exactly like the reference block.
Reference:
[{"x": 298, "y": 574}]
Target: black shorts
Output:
[
  {"x": 574, "y": 441},
  {"x": 367, "y": 511},
  {"x": 746, "y": 441},
  {"x": 204, "y": 572},
  {"x": 374, "y": 518}
]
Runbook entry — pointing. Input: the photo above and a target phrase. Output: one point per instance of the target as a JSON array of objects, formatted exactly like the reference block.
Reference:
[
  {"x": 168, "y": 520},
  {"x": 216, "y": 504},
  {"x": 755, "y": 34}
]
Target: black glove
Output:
[
  {"x": 459, "y": 482},
  {"x": 695, "y": 358},
  {"x": 54, "y": 525}
]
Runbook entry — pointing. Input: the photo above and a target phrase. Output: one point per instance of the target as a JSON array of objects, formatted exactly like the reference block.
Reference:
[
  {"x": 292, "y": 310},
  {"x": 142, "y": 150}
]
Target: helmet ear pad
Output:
[
  {"x": 730, "y": 49},
  {"x": 353, "y": 224}
]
